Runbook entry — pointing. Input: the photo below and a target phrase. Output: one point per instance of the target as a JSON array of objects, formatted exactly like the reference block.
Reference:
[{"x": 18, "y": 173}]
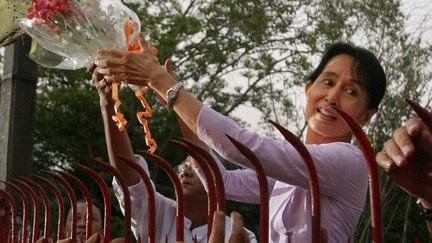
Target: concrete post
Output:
[{"x": 17, "y": 110}]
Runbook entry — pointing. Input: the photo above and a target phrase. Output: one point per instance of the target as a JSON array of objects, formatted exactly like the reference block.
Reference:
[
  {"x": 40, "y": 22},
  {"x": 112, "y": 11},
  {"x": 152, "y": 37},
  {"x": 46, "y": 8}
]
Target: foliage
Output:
[{"x": 246, "y": 52}]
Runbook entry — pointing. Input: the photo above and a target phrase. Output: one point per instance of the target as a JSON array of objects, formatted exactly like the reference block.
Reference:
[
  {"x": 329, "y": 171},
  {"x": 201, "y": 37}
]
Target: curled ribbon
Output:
[
  {"x": 142, "y": 115},
  {"x": 131, "y": 30}
]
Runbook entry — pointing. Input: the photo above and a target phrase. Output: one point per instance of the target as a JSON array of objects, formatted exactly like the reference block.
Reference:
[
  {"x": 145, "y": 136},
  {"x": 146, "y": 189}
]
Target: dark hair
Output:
[{"x": 368, "y": 69}]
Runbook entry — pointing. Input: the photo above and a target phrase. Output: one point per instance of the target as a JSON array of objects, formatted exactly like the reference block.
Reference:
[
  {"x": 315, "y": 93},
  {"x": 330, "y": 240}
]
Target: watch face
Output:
[{"x": 171, "y": 94}]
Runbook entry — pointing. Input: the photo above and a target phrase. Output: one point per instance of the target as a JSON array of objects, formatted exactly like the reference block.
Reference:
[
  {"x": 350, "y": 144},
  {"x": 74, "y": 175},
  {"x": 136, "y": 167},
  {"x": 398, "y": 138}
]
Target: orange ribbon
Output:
[{"x": 131, "y": 34}]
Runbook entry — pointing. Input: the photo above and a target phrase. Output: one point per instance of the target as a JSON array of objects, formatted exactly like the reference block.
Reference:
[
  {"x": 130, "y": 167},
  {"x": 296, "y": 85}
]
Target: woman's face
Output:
[{"x": 336, "y": 86}]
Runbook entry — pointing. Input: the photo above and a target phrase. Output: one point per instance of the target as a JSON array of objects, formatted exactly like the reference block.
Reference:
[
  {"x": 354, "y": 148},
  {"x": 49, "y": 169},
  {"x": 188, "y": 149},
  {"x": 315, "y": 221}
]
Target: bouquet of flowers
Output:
[
  {"x": 72, "y": 30},
  {"x": 69, "y": 33}
]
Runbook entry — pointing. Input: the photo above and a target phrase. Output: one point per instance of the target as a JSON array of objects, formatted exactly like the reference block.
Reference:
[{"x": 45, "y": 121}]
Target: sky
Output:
[{"x": 419, "y": 17}]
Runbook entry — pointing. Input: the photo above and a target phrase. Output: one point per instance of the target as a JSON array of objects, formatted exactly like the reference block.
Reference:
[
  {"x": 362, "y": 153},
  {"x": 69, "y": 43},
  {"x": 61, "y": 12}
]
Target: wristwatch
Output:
[
  {"x": 426, "y": 212},
  {"x": 172, "y": 94}
]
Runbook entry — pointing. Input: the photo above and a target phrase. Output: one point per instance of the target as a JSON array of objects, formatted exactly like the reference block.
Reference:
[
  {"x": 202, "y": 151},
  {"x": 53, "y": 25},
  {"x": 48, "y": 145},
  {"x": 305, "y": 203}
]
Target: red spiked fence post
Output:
[
  {"x": 313, "y": 179},
  {"x": 46, "y": 205},
  {"x": 178, "y": 190},
  {"x": 217, "y": 176},
  {"x": 25, "y": 210},
  {"x": 127, "y": 201},
  {"x": 8, "y": 198},
  {"x": 151, "y": 197},
  {"x": 72, "y": 199},
  {"x": 35, "y": 229},
  {"x": 211, "y": 194},
  {"x": 87, "y": 197},
  {"x": 106, "y": 197},
  {"x": 60, "y": 203},
  {"x": 262, "y": 180},
  {"x": 374, "y": 187}
]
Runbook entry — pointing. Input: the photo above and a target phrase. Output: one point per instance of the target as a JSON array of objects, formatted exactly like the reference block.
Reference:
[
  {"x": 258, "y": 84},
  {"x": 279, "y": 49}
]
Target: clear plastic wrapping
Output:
[{"x": 69, "y": 32}]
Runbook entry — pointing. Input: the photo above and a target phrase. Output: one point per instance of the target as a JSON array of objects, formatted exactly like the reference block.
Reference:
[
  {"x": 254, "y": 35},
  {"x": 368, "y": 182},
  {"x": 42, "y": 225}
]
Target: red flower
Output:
[
  {"x": 47, "y": 9},
  {"x": 60, "y": 5}
]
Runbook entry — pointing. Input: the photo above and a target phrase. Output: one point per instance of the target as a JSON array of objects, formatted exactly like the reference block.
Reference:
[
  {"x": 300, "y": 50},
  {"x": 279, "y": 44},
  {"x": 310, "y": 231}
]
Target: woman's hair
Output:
[{"x": 367, "y": 68}]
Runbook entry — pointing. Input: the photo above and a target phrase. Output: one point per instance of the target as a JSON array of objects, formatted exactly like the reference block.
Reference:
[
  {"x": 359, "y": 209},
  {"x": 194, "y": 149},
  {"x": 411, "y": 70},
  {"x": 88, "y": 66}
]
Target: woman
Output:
[{"x": 347, "y": 77}]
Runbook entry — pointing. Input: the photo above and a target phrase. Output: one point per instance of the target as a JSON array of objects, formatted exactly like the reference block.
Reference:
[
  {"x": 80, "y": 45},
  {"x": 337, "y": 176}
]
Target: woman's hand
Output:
[
  {"x": 104, "y": 88},
  {"x": 238, "y": 234},
  {"x": 142, "y": 68},
  {"x": 407, "y": 158},
  {"x": 139, "y": 68}
]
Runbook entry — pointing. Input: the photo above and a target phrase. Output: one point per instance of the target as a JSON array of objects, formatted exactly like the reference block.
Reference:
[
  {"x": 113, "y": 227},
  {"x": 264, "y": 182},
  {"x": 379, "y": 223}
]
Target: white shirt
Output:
[{"x": 165, "y": 215}]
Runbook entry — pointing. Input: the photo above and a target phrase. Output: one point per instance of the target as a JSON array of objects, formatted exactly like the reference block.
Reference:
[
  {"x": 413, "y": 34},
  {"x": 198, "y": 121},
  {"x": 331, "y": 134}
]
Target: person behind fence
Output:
[
  {"x": 195, "y": 197},
  {"x": 407, "y": 158},
  {"x": 81, "y": 215},
  {"x": 347, "y": 77}
]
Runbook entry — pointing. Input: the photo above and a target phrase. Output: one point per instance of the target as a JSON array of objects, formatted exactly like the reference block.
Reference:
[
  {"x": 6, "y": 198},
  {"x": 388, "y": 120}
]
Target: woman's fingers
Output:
[
  {"x": 97, "y": 79},
  {"x": 404, "y": 142},
  {"x": 421, "y": 132},
  {"x": 384, "y": 161},
  {"x": 218, "y": 229},
  {"x": 112, "y": 53},
  {"x": 124, "y": 70},
  {"x": 238, "y": 221},
  {"x": 132, "y": 67},
  {"x": 112, "y": 70},
  {"x": 143, "y": 43},
  {"x": 104, "y": 84},
  {"x": 414, "y": 126},
  {"x": 91, "y": 67},
  {"x": 112, "y": 62},
  {"x": 238, "y": 234},
  {"x": 393, "y": 151},
  {"x": 168, "y": 67},
  {"x": 122, "y": 73},
  {"x": 135, "y": 80},
  {"x": 154, "y": 51}
]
